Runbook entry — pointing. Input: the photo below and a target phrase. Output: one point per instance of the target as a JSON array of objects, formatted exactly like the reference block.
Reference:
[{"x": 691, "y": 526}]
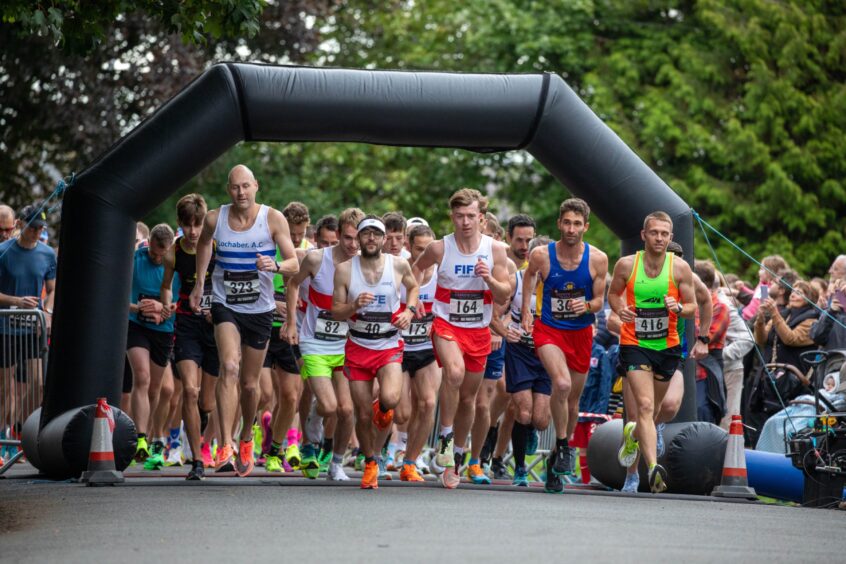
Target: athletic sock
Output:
[
  {"x": 174, "y": 434},
  {"x": 473, "y": 461},
  {"x": 446, "y": 430},
  {"x": 459, "y": 450},
  {"x": 328, "y": 445},
  {"x": 519, "y": 436},
  {"x": 402, "y": 442},
  {"x": 561, "y": 443},
  {"x": 337, "y": 458},
  {"x": 274, "y": 449},
  {"x": 293, "y": 436},
  {"x": 142, "y": 435}
]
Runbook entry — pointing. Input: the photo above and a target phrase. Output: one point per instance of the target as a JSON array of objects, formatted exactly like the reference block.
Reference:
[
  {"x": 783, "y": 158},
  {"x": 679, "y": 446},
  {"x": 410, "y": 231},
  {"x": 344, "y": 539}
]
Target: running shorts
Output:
[
  {"x": 195, "y": 342},
  {"x": 321, "y": 365},
  {"x": 662, "y": 364},
  {"x": 525, "y": 371},
  {"x": 412, "y": 361},
  {"x": 576, "y": 344},
  {"x": 159, "y": 343},
  {"x": 475, "y": 344},
  {"x": 281, "y": 354},
  {"x": 362, "y": 364},
  {"x": 255, "y": 328}
]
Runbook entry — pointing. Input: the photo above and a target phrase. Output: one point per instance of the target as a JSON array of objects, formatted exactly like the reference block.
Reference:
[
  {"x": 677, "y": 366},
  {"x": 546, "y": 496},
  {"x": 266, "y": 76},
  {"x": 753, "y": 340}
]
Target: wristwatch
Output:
[
  {"x": 679, "y": 307},
  {"x": 412, "y": 309},
  {"x": 704, "y": 339}
]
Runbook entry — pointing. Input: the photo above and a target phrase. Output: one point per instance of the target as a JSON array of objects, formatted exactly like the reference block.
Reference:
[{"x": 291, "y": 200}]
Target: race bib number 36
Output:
[
  {"x": 328, "y": 329},
  {"x": 466, "y": 307},
  {"x": 241, "y": 287},
  {"x": 652, "y": 323},
  {"x": 561, "y": 302}
]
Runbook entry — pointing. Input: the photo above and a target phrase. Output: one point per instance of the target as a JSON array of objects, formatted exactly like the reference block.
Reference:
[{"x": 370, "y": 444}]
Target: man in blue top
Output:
[
  {"x": 27, "y": 267},
  {"x": 149, "y": 340}
]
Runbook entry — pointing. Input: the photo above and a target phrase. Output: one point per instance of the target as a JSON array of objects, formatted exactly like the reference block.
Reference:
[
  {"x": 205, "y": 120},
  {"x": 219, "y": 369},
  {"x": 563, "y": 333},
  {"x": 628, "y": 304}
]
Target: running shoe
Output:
[
  {"x": 390, "y": 463},
  {"x": 422, "y": 467},
  {"x": 659, "y": 439},
  {"x": 553, "y": 482},
  {"x": 336, "y": 473},
  {"x": 490, "y": 445},
  {"x": 309, "y": 464},
  {"x": 370, "y": 479},
  {"x": 532, "y": 440},
  {"x": 383, "y": 470},
  {"x": 450, "y": 478},
  {"x": 459, "y": 461},
  {"x": 628, "y": 452},
  {"x": 205, "y": 454},
  {"x": 657, "y": 478},
  {"x": 156, "y": 459},
  {"x": 292, "y": 455},
  {"x": 358, "y": 466},
  {"x": 267, "y": 432},
  {"x": 409, "y": 473},
  {"x": 498, "y": 469},
  {"x": 224, "y": 460},
  {"x": 476, "y": 475},
  {"x": 559, "y": 461},
  {"x": 174, "y": 454},
  {"x": 142, "y": 451},
  {"x": 380, "y": 419},
  {"x": 258, "y": 437},
  {"x": 632, "y": 483},
  {"x": 287, "y": 467},
  {"x": 323, "y": 459},
  {"x": 197, "y": 472},
  {"x": 445, "y": 455},
  {"x": 521, "y": 477},
  {"x": 399, "y": 459},
  {"x": 245, "y": 462},
  {"x": 273, "y": 463}
]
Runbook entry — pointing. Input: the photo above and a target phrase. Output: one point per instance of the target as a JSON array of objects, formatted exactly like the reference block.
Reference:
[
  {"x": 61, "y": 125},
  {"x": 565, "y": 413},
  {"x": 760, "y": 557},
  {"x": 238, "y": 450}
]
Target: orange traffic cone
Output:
[
  {"x": 734, "y": 482},
  {"x": 101, "y": 459}
]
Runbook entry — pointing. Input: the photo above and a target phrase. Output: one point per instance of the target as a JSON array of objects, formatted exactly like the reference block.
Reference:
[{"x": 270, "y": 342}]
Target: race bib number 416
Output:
[
  {"x": 241, "y": 287},
  {"x": 652, "y": 323}
]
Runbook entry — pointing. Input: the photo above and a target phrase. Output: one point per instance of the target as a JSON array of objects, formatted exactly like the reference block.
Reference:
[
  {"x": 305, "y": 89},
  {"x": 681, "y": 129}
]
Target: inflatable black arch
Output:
[{"x": 235, "y": 102}]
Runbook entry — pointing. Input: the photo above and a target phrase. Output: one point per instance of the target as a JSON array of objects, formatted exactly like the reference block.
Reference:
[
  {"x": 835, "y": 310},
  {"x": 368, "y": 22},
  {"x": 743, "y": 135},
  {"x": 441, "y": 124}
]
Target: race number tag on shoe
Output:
[
  {"x": 242, "y": 287},
  {"x": 467, "y": 306},
  {"x": 561, "y": 302},
  {"x": 418, "y": 331},
  {"x": 652, "y": 323},
  {"x": 328, "y": 329},
  {"x": 373, "y": 325}
]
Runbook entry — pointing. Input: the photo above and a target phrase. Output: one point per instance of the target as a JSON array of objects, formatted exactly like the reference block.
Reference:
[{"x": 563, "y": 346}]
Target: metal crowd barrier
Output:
[{"x": 23, "y": 366}]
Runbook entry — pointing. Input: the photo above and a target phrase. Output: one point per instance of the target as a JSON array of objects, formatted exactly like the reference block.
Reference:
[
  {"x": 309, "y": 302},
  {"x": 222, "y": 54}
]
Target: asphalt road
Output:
[{"x": 151, "y": 519}]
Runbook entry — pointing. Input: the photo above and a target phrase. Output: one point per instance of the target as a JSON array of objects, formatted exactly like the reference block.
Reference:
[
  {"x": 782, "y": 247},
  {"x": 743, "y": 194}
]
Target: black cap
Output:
[{"x": 32, "y": 216}]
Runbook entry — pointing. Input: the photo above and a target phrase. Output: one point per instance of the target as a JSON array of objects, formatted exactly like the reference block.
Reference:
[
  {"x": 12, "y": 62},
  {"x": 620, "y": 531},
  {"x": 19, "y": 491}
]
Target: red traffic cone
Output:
[
  {"x": 101, "y": 458},
  {"x": 734, "y": 483}
]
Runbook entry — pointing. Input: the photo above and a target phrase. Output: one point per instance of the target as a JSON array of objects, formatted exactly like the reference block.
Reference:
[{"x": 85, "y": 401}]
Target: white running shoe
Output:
[
  {"x": 174, "y": 455},
  {"x": 336, "y": 473}
]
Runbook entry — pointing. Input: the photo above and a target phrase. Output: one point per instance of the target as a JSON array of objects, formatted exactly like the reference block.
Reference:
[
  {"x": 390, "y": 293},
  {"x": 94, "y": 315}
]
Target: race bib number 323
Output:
[{"x": 242, "y": 287}]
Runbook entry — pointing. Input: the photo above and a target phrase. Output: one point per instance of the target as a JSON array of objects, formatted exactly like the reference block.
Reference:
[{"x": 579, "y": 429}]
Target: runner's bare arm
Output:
[
  {"x": 497, "y": 280},
  {"x": 204, "y": 254},
  {"x": 341, "y": 310},
  {"x": 412, "y": 292},
  {"x": 282, "y": 237},
  {"x": 599, "y": 268},
  {"x": 530, "y": 280},
  {"x": 684, "y": 279},
  {"x": 616, "y": 297},
  {"x": 166, "y": 291},
  {"x": 433, "y": 254},
  {"x": 308, "y": 267},
  {"x": 706, "y": 306}
]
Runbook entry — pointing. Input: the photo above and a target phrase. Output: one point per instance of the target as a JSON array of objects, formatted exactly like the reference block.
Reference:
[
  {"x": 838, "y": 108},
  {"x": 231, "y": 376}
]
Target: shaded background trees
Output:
[{"x": 739, "y": 105}]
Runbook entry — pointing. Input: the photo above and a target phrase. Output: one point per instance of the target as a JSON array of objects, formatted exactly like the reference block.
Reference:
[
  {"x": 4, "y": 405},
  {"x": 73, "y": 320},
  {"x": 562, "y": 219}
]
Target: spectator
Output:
[
  {"x": 738, "y": 343},
  {"x": 7, "y": 223},
  {"x": 142, "y": 234},
  {"x": 710, "y": 394},
  {"x": 772, "y": 268},
  {"x": 785, "y": 333},
  {"x": 829, "y": 331},
  {"x": 821, "y": 286}
]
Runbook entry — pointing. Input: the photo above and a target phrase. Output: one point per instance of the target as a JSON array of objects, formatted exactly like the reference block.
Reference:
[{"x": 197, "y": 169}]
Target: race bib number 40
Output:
[
  {"x": 561, "y": 302},
  {"x": 466, "y": 307},
  {"x": 328, "y": 329},
  {"x": 373, "y": 325},
  {"x": 652, "y": 323},
  {"x": 241, "y": 287}
]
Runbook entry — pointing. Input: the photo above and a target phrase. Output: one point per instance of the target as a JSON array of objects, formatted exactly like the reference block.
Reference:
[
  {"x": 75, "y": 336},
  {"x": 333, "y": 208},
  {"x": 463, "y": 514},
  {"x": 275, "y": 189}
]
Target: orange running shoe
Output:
[
  {"x": 205, "y": 453},
  {"x": 380, "y": 419},
  {"x": 370, "y": 479},
  {"x": 409, "y": 473},
  {"x": 245, "y": 461},
  {"x": 223, "y": 462},
  {"x": 450, "y": 478}
]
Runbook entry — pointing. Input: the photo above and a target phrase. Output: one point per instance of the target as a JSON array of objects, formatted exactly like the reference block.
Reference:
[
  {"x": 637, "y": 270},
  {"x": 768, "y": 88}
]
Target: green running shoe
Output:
[
  {"x": 657, "y": 478},
  {"x": 309, "y": 464},
  {"x": 359, "y": 463},
  {"x": 324, "y": 458},
  {"x": 273, "y": 464},
  {"x": 257, "y": 438},
  {"x": 156, "y": 459},
  {"x": 628, "y": 452},
  {"x": 142, "y": 451}
]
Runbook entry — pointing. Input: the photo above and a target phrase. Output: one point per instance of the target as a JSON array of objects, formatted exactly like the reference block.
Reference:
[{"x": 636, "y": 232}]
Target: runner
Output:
[
  {"x": 367, "y": 292},
  {"x": 649, "y": 292},
  {"x": 283, "y": 359},
  {"x": 246, "y": 234},
  {"x": 149, "y": 341},
  {"x": 573, "y": 275},
  {"x": 322, "y": 340},
  {"x": 418, "y": 360},
  {"x": 472, "y": 275},
  {"x": 526, "y": 380}
]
